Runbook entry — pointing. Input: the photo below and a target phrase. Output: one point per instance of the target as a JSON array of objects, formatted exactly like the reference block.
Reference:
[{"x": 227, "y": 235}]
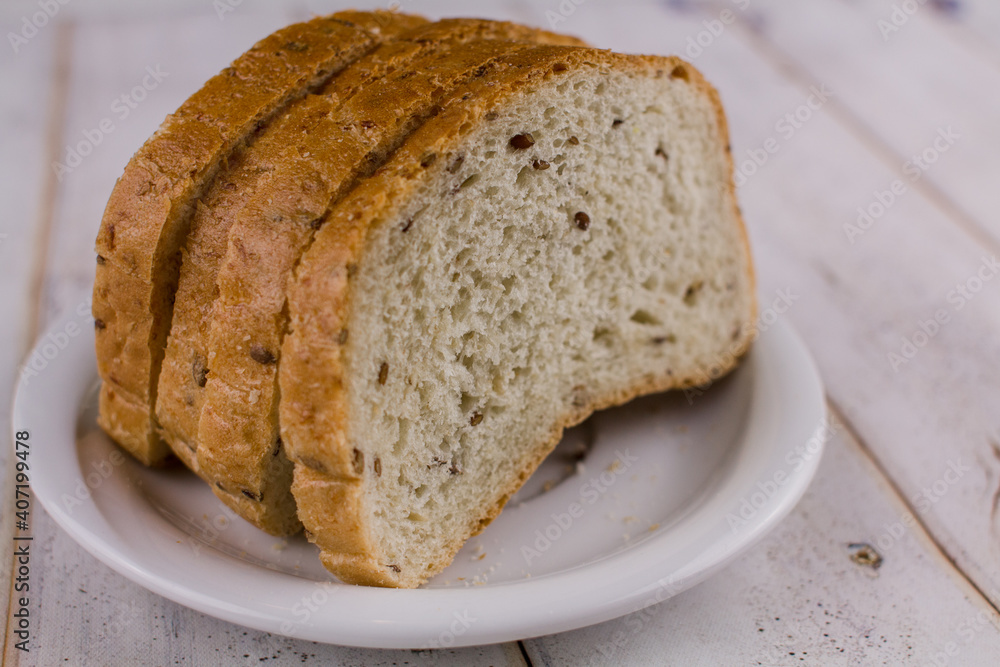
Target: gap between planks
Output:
[
  {"x": 58, "y": 93},
  {"x": 524, "y": 653},
  {"x": 841, "y": 417},
  {"x": 854, "y": 124}
]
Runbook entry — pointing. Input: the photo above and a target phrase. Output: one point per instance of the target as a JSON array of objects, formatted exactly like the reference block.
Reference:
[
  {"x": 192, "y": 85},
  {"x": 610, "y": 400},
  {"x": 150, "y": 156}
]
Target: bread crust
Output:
[
  {"x": 147, "y": 214},
  {"x": 334, "y": 139},
  {"x": 184, "y": 371},
  {"x": 329, "y": 486}
]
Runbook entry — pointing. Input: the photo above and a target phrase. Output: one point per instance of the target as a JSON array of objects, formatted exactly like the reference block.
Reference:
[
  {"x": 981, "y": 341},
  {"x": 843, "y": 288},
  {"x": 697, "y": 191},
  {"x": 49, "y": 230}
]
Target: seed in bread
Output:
[{"x": 506, "y": 302}]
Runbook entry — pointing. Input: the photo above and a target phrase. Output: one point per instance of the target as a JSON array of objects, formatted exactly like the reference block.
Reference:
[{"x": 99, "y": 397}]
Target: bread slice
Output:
[
  {"x": 562, "y": 237},
  {"x": 147, "y": 215},
  {"x": 336, "y": 140},
  {"x": 184, "y": 370}
]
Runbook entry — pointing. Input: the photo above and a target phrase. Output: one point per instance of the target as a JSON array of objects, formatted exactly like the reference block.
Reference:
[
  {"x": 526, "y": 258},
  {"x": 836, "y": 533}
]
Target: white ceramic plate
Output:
[{"x": 669, "y": 489}]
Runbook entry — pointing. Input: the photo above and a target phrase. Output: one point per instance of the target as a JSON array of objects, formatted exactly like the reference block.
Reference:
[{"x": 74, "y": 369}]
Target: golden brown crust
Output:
[
  {"x": 381, "y": 100},
  {"x": 184, "y": 371},
  {"x": 185, "y": 368},
  {"x": 313, "y": 375},
  {"x": 147, "y": 214}
]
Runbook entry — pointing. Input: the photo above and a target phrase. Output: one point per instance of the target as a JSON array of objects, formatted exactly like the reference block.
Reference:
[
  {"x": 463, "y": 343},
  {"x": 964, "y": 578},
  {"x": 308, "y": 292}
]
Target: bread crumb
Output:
[
  {"x": 548, "y": 486},
  {"x": 615, "y": 465},
  {"x": 654, "y": 527},
  {"x": 630, "y": 519},
  {"x": 682, "y": 428},
  {"x": 280, "y": 545}
]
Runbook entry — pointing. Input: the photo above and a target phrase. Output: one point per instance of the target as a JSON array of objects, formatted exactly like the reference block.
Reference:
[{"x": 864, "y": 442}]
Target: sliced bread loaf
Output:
[
  {"x": 562, "y": 237},
  {"x": 185, "y": 368},
  {"x": 326, "y": 144},
  {"x": 149, "y": 210}
]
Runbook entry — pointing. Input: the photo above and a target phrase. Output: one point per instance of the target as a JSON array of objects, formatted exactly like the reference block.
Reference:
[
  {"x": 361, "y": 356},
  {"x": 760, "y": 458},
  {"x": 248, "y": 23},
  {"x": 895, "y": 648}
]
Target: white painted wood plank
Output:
[
  {"x": 112, "y": 10},
  {"x": 858, "y": 303},
  {"x": 974, "y": 24},
  {"x": 863, "y": 301},
  {"x": 902, "y": 88},
  {"x": 22, "y": 175},
  {"x": 23, "y": 169},
  {"x": 798, "y": 598}
]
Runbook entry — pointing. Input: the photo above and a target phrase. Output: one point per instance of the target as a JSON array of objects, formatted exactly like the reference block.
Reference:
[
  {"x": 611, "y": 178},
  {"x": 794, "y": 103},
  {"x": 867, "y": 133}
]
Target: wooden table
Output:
[{"x": 868, "y": 142}]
